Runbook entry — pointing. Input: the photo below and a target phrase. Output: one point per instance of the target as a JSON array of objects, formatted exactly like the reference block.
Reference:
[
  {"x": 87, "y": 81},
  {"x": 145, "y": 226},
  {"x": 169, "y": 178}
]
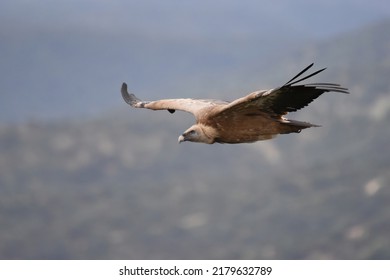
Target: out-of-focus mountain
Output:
[{"x": 119, "y": 186}]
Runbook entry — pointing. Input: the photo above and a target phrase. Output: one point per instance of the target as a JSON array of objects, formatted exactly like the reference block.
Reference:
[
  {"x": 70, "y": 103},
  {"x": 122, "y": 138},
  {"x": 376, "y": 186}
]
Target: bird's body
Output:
[{"x": 257, "y": 116}]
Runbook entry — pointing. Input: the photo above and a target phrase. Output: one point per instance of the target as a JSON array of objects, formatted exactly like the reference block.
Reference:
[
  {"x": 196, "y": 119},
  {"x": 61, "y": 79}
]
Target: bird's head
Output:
[{"x": 195, "y": 134}]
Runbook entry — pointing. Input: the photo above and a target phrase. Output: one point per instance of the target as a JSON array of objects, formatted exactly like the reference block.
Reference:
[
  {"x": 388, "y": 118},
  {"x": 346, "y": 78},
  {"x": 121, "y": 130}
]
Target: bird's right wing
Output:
[{"x": 193, "y": 106}]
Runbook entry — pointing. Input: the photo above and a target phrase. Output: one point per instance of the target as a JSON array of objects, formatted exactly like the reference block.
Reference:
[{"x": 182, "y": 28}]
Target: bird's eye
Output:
[{"x": 192, "y": 132}]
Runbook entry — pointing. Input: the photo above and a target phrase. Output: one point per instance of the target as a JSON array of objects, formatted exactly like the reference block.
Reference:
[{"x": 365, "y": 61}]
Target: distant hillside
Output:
[
  {"x": 113, "y": 188},
  {"x": 120, "y": 186}
]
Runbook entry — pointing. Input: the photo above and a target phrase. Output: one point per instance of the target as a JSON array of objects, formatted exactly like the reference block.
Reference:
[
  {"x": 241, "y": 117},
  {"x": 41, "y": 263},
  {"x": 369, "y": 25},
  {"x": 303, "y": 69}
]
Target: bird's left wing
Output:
[
  {"x": 193, "y": 106},
  {"x": 287, "y": 98}
]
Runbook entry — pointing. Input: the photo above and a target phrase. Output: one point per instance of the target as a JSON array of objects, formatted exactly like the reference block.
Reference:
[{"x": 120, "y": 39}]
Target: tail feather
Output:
[{"x": 291, "y": 126}]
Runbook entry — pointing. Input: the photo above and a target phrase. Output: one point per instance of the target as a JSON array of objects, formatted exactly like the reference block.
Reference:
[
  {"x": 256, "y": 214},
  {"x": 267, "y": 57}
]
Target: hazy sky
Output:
[
  {"x": 64, "y": 56},
  {"x": 318, "y": 18}
]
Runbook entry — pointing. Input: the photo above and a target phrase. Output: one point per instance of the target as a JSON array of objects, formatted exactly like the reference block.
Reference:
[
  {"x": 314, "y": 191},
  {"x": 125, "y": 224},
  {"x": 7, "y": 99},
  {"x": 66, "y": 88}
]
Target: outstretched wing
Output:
[
  {"x": 193, "y": 106},
  {"x": 287, "y": 98}
]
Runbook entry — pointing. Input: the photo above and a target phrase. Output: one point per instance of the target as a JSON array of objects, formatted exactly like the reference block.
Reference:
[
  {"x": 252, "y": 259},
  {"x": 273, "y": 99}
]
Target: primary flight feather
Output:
[{"x": 257, "y": 116}]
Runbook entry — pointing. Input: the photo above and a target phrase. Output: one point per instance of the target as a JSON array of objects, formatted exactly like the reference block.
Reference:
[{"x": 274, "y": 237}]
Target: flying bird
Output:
[{"x": 254, "y": 117}]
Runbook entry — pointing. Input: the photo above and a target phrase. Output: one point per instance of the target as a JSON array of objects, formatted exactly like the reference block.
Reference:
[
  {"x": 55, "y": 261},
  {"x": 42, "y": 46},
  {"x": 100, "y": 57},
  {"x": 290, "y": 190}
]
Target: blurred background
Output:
[{"x": 83, "y": 176}]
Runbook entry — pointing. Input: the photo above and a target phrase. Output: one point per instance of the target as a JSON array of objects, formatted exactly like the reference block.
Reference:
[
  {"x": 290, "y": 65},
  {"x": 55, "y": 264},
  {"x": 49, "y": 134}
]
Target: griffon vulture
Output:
[{"x": 257, "y": 116}]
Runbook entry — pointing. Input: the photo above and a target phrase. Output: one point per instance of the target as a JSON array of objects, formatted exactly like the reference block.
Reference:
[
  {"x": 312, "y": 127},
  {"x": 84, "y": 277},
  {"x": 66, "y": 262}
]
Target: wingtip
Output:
[
  {"x": 126, "y": 96},
  {"x": 124, "y": 87},
  {"x": 130, "y": 98}
]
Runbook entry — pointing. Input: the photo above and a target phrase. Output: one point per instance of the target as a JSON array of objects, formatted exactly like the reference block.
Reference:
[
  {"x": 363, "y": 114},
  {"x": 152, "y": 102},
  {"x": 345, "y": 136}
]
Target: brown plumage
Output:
[{"x": 257, "y": 116}]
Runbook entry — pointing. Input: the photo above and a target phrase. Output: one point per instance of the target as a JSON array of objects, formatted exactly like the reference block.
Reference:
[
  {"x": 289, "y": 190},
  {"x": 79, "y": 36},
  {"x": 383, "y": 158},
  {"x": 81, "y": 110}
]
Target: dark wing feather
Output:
[
  {"x": 288, "y": 98},
  {"x": 292, "y": 98}
]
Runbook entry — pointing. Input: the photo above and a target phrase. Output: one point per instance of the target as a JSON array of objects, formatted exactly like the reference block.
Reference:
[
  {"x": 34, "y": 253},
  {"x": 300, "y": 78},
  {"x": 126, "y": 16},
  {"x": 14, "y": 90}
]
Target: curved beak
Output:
[{"x": 181, "y": 139}]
